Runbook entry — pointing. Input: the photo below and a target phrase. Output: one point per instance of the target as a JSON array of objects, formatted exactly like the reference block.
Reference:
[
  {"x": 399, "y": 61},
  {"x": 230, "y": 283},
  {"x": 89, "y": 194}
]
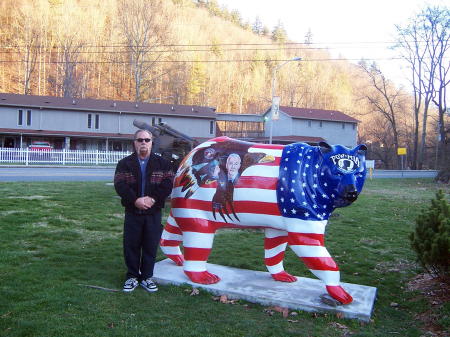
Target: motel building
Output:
[{"x": 107, "y": 125}]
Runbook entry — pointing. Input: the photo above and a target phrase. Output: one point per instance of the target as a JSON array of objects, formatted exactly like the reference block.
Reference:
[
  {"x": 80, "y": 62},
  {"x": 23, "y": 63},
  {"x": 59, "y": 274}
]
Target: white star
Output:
[
  {"x": 313, "y": 196},
  {"x": 281, "y": 188},
  {"x": 304, "y": 174},
  {"x": 298, "y": 161},
  {"x": 295, "y": 171},
  {"x": 292, "y": 190},
  {"x": 292, "y": 200},
  {"x": 302, "y": 147},
  {"x": 306, "y": 214},
  {"x": 317, "y": 166},
  {"x": 315, "y": 175},
  {"x": 282, "y": 199},
  {"x": 300, "y": 154},
  {"x": 283, "y": 178},
  {"x": 322, "y": 174},
  {"x": 303, "y": 193},
  {"x": 324, "y": 214},
  {"x": 307, "y": 165},
  {"x": 319, "y": 216},
  {"x": 314, "y": 206},
  {"x": 314, "y": 185},
  {"x": 285, "y": 168},
  {"x": 287, "y": 159},
  {"x": 284, "y": 210},
  {"x": 293, "y": 211},
  {"x": 309, "y": 157},
  {"x": 304, "y": 203},
  {"x": 324, "y": 196},
  {"x": 293, "y": 180},
  {"x": 304, "y": 184},
  {"x": 324, "y": 206},
  {"x": 332, "y": 195},
  {"x": 288, "y": 151},
  {"x": 325, "y": 184}
]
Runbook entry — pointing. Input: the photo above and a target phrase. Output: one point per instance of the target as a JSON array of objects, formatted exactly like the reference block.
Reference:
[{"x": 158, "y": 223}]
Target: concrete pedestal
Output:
[{"x": 259, "y": 287}]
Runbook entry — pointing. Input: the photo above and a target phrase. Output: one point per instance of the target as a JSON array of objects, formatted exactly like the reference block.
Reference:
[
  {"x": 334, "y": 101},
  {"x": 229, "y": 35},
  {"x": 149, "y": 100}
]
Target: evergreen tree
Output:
[{"x": 279, "y": 33}]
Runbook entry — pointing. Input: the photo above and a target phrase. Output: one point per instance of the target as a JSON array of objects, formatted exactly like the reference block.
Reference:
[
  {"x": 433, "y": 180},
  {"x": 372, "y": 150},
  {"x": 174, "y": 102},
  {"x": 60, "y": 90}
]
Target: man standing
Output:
[{"x": 143, "y": 181}]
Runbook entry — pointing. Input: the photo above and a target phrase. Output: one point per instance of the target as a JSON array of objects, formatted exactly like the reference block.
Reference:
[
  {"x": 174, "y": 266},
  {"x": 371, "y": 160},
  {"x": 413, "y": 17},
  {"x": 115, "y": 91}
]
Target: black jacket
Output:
[{"x": 127, "y": 182}]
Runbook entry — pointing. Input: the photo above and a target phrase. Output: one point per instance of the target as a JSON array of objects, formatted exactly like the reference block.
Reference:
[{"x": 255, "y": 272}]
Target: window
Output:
[
  {"x": 97, "y": 121},
  {"x": 343, "y": 126},
  {"x": 211, "y": 127},
  {"x": 354, "y": 126},
  {"x": 153, "y": 120},
  {"x": 28, "y": 117},
  {"x": 159, "y": 120},
  {"x": 20, "y": 118},
  {"x": 320, "y": 124},
  {"x": 309, "y": 123},
  {"x": 89, "y": 121}
]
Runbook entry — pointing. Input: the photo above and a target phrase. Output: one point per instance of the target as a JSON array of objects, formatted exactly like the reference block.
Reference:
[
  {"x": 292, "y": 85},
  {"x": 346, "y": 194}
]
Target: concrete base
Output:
[{"x": 258, "y": 287}]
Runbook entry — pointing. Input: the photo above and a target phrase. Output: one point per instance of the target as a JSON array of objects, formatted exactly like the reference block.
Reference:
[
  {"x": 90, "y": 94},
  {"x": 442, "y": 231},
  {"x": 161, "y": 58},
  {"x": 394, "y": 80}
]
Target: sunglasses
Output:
[{"x": 141, "y": 140}]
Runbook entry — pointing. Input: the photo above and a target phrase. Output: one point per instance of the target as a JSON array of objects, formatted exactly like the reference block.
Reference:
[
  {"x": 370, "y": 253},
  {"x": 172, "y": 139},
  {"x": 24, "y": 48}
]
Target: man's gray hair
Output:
[{"x": 142, "y": 130}]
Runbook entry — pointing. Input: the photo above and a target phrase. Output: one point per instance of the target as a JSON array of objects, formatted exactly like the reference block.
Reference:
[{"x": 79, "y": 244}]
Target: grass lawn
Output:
[{"x": 57, "y": 237}]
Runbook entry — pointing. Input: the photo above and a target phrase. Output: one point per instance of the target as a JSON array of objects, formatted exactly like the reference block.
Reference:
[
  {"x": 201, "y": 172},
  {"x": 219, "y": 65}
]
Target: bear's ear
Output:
[
  {"x": 325, "y": 147},
  {"x": 361, "y": 149}
]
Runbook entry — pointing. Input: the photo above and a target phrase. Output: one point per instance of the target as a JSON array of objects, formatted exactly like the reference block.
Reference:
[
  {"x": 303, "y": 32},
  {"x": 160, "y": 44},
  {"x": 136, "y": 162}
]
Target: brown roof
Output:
[
  {"x": 65, "y": 133},
  {"x": 292, "y": 139},
  {"x": 65, "y": 103},
  {"x": 319, "y": 114}
]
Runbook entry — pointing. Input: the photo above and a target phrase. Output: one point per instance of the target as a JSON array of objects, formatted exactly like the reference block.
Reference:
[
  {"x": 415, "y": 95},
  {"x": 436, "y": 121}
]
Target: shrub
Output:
[{"x": 431, "y": 238}]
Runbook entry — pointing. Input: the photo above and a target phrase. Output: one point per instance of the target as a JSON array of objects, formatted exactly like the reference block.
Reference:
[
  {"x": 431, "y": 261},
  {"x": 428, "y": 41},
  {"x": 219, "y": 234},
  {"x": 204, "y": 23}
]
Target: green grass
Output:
[{"x": 56, "y": 236}]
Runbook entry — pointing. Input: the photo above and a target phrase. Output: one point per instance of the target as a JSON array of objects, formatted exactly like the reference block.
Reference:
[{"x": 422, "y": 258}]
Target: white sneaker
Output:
[
  {"x": 149, "y": 285},
  {"x": 130, "y": 284}
]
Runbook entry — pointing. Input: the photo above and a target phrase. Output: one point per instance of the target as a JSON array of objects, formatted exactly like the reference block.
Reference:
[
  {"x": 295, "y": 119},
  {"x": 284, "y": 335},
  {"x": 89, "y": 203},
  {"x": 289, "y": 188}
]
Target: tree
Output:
[
  {"x": 257, "y": 26},
  {"x": 383, "y": 99},
  {"x": 308, "y": 37},
  {"x": 144, "y": 25},
  {"x": 420, "y": 43},
  {"x": 279, "y": 34}
]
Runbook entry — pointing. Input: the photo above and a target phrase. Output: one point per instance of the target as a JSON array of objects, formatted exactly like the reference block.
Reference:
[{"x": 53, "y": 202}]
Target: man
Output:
[
  {"x": 143, "y": 181},
  {"x": 233, "y": 165}
]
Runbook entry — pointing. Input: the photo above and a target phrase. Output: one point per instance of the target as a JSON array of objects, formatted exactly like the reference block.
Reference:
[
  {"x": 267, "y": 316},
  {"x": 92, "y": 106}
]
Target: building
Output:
[
  {"x": 84, "y": 124},
  {"x": 311, "y": 125},
  {"x": 88, "y": 124}
]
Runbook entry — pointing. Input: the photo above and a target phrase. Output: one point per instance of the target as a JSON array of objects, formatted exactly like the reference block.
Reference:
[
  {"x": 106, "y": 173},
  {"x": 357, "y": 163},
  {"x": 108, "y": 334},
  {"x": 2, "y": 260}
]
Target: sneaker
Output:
[
  {"x": 130, "y": 284},
  {"x": 149, "y": 285}
]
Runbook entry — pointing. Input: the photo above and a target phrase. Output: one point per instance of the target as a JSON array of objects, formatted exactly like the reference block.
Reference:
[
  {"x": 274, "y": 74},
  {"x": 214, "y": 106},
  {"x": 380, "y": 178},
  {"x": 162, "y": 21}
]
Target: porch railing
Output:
[{"x": 27, "y": 156}]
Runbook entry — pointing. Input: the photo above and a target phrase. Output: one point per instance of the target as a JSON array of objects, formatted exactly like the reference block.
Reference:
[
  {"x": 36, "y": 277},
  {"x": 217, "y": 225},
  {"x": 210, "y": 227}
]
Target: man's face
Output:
[
  {"x": 142, "y": 145},
  {"x": 233, "y": 165}
]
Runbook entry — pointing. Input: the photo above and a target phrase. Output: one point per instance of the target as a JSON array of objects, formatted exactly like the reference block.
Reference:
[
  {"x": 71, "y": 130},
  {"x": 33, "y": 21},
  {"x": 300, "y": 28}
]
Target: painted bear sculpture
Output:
[{"x": 289, "y": 191}]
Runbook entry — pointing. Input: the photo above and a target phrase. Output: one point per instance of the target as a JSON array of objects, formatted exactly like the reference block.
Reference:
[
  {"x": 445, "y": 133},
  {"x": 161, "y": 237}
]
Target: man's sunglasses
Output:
[{"x": 141, "y": 140}]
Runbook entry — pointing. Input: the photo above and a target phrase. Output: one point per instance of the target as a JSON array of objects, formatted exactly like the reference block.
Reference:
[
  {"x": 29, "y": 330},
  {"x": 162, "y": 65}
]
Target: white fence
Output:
[{"x": 59, "y": 157}]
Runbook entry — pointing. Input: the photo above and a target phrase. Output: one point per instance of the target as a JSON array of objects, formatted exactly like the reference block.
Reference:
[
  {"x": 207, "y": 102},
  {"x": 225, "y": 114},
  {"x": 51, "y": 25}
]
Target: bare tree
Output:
[
  {"x": 144, "y": 25},
  {"x": 441, "y": 24},
  {"x": 383, "y": 99},
  {"x": 420, "y": 47}
]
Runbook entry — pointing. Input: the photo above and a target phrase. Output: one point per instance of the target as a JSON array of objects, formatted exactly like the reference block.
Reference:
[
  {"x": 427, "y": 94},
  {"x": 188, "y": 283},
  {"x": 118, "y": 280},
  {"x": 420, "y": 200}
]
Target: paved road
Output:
[
  {"x": 56, "y": 174},
  {"x": 106, "y": 174}
]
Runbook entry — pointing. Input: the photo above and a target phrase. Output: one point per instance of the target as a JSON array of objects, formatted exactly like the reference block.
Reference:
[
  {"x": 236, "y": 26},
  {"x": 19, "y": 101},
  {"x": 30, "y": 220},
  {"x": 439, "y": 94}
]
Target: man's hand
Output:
[{"x": 144, "y": 203}]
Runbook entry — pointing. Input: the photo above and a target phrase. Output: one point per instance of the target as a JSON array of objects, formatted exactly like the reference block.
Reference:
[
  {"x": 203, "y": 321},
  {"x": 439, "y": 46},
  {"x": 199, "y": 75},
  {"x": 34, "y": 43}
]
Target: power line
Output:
[{"x": 209, "y": 61}]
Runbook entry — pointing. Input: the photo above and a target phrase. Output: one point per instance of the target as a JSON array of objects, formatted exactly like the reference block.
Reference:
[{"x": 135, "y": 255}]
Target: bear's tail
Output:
[{"x": 171, "y": 239}]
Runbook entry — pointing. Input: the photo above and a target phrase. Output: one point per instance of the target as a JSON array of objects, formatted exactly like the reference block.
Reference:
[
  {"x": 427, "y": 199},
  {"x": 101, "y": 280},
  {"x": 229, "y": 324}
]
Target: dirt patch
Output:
[{"x": 436, "y": 292}]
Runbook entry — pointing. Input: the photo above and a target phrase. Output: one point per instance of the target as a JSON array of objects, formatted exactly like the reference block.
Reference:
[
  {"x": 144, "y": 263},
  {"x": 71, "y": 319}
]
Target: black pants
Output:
[{"x": 141, "y": 235}]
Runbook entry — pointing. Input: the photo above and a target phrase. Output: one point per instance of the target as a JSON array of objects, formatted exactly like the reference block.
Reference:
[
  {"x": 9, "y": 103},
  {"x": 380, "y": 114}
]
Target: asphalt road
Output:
[
  {"x": 56, "y": 174},
  {"x": 107, "y": 173}
]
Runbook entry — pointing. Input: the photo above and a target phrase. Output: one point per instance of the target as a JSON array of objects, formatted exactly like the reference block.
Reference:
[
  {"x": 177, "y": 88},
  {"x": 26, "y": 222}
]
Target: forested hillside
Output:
[{"x": 177, "y": 50}]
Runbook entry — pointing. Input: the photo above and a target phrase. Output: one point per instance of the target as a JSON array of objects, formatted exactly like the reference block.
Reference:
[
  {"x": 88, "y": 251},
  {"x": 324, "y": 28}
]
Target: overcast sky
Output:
[{"x": 354, "y": 29}]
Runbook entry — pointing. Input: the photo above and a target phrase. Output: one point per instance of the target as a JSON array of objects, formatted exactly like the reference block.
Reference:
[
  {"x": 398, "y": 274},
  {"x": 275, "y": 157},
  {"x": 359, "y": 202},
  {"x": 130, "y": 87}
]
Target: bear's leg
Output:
[
  {"x": 310, "y": 249},
  {"x": 197, "y": 247},
  {"x": 275, "y": 242},
  {"x": 170, "y": 241}
]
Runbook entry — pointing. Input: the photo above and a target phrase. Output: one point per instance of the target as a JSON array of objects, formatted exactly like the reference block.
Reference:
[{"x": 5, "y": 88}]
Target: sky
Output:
[{"x": 354, "y": 29}]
